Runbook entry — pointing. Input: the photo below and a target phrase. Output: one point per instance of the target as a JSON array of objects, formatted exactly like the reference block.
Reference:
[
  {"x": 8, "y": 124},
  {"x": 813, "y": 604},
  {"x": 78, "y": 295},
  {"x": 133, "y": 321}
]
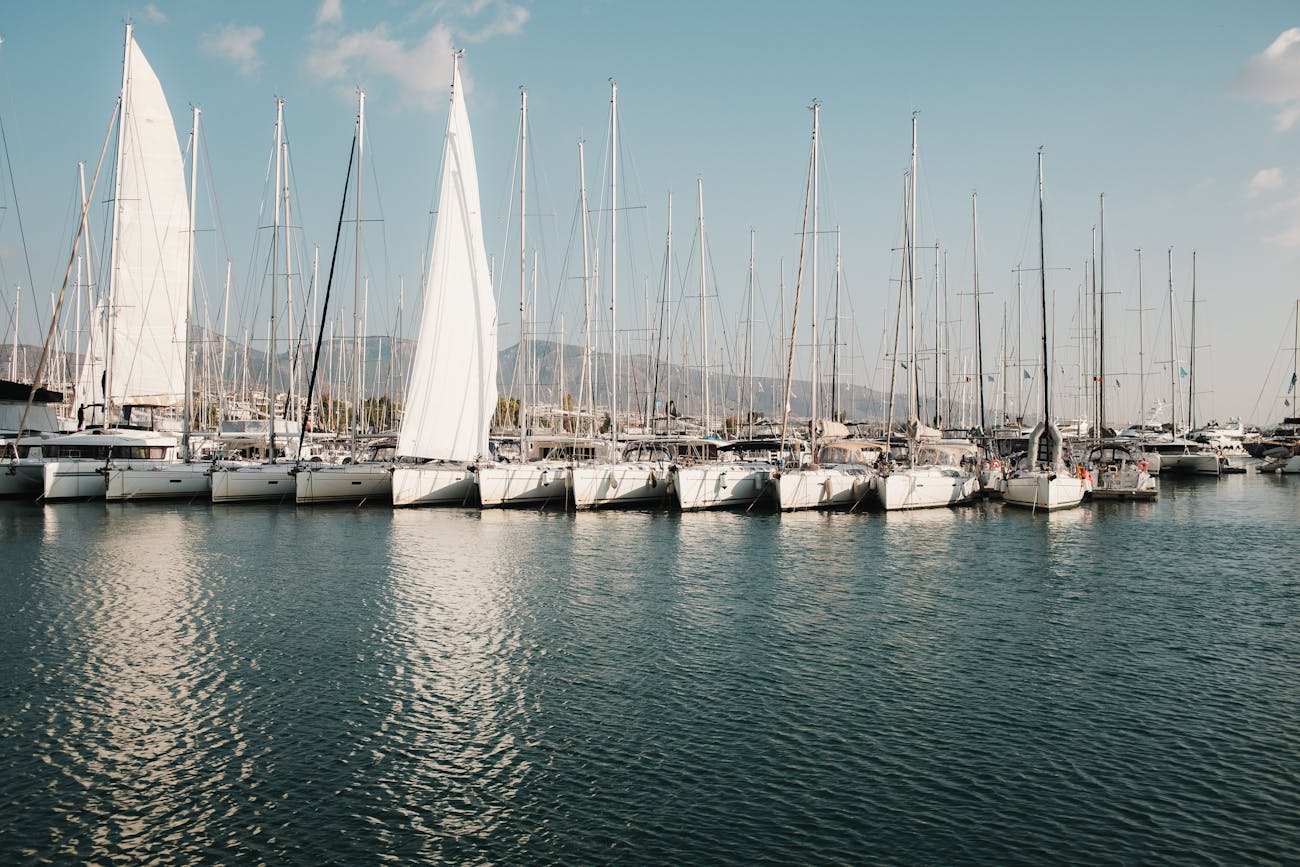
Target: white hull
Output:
[
  {"x": 179, "y": 480},
  {"x": 435, "y": 485},
  {"x": 528, "y": 484},
  {"x": 73, "y": 479},
  {"x": 1198, "y": 464},
  {"x": 348, "y": 483},
  {"x": 643, "y": 485},
  {"x": 925, "y": 488},
  {"x": 825, "y": 488},
  {"x": 723, "y": 486},
  {"x": 1046, "y": 491},
  {"x": 261, "y": 482}
]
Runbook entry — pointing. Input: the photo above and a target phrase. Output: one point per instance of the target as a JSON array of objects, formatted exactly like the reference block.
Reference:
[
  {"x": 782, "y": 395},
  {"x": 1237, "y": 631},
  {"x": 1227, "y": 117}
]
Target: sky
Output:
[{"x": 1185, "y": 115}]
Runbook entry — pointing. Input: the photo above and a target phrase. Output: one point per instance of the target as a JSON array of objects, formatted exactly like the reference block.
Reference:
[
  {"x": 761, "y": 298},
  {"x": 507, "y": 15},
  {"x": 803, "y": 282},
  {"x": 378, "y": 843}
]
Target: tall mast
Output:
[
  {"x": 115, "y": 252},
  {"x": 815, "y": 386},
  {"x": 1191, "y": 356},
  {"x": 87, "y": 288},
  {"x": 613, "y": 259},
  {"x": 1042, "y": 286},
  {"x": 979, "y": 338},
  {"x": 587, "y": 398},
  {"x": 836, "y": 411},
  {"x": 1020, "y": 346},
  {"x": 665, "y": 319},
  {"x": 356, "y": 284},
  {"x": 909, "y": 254},
  {"x": 521, "y": 356},
  {"x": 13, "y": 353},
  {"x": 704, "y": 308},
  {"x": 275, "y": 251},
  {"x": 225, "y": 342},
  {"x": 1173, "y": 355},
  {"x": 291, "y": 353},
  {"x": 1142, "y": 364},
  {"x": 189, "y": 291},
  {"x": 749, "y": 341},
  {"x": 1101, "y": 320}
]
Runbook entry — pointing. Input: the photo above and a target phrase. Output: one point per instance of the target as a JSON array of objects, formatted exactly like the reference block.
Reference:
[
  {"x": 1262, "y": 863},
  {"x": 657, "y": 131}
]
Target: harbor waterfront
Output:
[{"x": 1115, "y": 683}]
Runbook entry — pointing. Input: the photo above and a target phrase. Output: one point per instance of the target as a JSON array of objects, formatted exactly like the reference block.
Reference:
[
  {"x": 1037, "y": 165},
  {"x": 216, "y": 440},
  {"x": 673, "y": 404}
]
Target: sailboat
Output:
[
  {"x": 453, "y": 391},
  {"x": 636, "y": 475},
  {"x": 1280, "y": 450},
  {"x": 1178, "y": 454},
  {"x": 735, "y": 475},
  {"x": 840, "y": 473},
  {"x": 131, "y": 479},
  {"x": 938, "y": 472},
  {"x": 275, "y": 479},
  {"x": 1042, "y": 480},
  {"x": 140, "y": 374},
  {"x": 358, "y": 479},
  {"x": 541, "y": 475}
]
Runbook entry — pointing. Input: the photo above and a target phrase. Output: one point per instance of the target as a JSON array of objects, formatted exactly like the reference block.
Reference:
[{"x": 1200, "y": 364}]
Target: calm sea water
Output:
[{"x": 1114, "y": 684}]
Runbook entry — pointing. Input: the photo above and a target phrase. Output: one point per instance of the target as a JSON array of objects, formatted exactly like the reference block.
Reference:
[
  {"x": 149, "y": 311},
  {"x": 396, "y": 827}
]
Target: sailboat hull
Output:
[
  {"x": 824, "y": 488},
  {"x": 529, "y": 484},
  {"x": 259, "y": 483},
  {"x": 925, "y": 488},
  {"x": 724, "y": 486},
  {"x": 348, "y": 483},
  {"x": 73, "y": 480},
  {"x": 1047, "y": 491},
  {"x": 435, "y": 485},
  {"x": 159, "y": 482},
  {"x": 1194, "y": 463},
  {"x": 632, "y": 485}
]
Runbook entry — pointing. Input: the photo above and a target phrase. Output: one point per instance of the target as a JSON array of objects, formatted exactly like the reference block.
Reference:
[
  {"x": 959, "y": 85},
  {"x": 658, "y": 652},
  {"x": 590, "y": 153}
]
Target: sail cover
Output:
[
  {"x": 452, "y": 393},
  {"x": 148, "y": 279}
]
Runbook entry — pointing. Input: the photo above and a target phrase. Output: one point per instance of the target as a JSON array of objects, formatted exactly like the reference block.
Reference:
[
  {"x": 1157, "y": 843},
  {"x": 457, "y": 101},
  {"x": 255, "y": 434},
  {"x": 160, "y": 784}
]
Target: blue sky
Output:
[{"x": 1183, "y": 113}]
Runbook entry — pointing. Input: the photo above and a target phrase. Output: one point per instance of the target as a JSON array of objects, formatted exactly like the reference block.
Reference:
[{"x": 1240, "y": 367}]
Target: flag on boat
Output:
[
  {"x": 1027, "y": 374},
  {"x": 990, "y": 378},
  {"x": 1290, "y": 388},
  {"x": 1182, "y": 371}
]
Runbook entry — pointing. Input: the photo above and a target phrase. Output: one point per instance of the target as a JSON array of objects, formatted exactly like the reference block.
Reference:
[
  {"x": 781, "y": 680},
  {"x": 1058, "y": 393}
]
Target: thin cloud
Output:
[
  {"x": 1273, "y": 76},
  {"x": 235, "y": 44},
  {"x": 330, "y": 12},
  {"x": 503, "y": 19},
  {"x": 1265, "y": 180},
  {"x": 419, "y": 64},
  {"x": 154, "y": 14},
  {"x": 367, "y": 54}
]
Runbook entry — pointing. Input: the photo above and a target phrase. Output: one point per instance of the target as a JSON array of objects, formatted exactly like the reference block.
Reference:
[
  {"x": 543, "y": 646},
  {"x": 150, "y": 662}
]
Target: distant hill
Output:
[{"x": 557, "y": 366}]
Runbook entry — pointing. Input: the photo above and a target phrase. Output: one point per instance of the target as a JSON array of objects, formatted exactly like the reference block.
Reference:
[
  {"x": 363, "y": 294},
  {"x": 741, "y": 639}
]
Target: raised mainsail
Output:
[
  {"x": 143, "y": 360},
  {"x": 142, "y": 321},
  {"x": 452, "y": 390}
]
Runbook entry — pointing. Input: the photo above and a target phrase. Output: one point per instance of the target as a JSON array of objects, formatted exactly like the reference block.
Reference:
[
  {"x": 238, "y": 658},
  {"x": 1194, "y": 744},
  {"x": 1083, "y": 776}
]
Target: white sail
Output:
[
  {"x": 148, "y": 278},
  {"x": 452, "y": 388}
]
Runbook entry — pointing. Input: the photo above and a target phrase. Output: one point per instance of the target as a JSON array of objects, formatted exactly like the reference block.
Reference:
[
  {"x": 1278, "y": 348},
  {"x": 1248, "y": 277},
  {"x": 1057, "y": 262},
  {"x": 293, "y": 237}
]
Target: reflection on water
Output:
[{"x": 980, "y": 684}]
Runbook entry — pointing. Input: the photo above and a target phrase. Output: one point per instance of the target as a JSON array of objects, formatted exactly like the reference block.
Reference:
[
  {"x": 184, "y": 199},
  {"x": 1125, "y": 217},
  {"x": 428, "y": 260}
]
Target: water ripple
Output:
[{"x": 1114, "y": 684}]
